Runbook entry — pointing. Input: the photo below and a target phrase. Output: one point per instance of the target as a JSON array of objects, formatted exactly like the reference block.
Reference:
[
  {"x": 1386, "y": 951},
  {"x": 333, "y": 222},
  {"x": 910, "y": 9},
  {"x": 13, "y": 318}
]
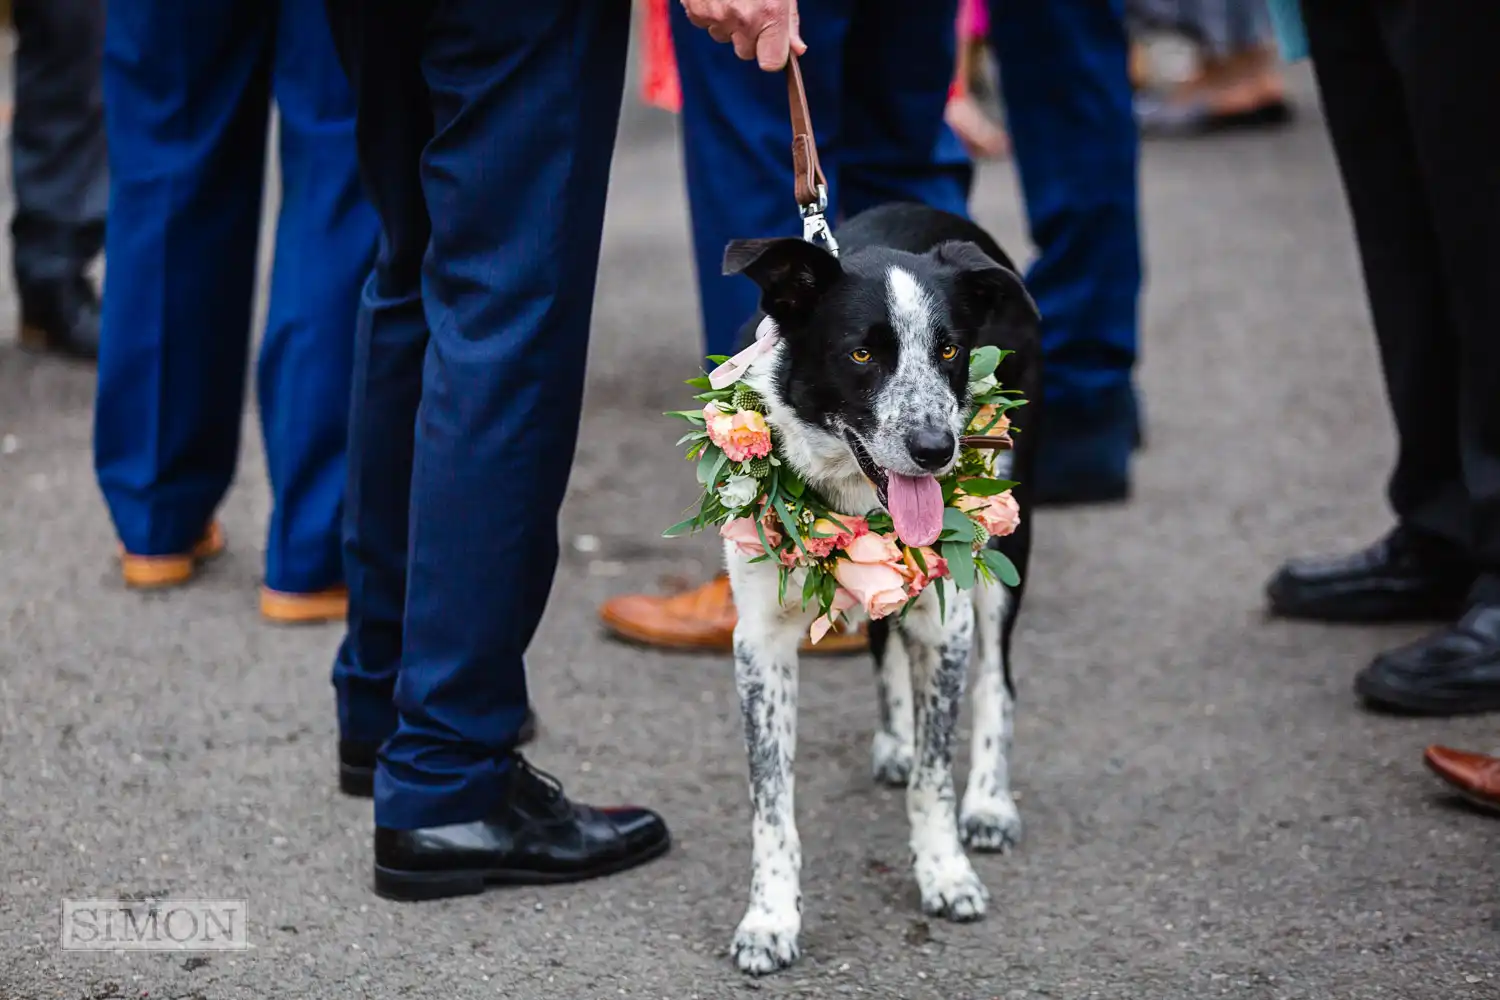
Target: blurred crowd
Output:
[{"x": 386, "y": 296}]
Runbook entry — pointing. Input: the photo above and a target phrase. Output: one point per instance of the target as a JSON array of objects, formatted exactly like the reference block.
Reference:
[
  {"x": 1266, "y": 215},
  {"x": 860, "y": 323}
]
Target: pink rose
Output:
[
  {"x": 743, "y": 434},
  {"x": 937, "y": 568},
  {"x": 841, "y": 530},
  {"x": 999, "y": 515},
  {"x": 742, "y": 532}
]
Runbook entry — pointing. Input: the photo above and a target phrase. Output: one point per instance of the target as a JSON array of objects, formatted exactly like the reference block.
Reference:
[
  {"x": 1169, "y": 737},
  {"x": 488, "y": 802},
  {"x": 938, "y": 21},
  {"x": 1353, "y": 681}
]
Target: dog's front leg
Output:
[
  {"x": 939, "y": 654},
  {"x": 989, "y": 818},
  {"x": 765, "y": 672}
]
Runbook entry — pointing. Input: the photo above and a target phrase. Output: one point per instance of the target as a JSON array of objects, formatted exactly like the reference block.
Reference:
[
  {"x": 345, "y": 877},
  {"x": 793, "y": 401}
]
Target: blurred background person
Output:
[
  {"x": 966, "y": 113},
  {"x": 1408, "y": 92},
  {"x": 59, "y": 172},
  {"x": 188, "y": 86},
  {"x": 1237, "y": 81}
]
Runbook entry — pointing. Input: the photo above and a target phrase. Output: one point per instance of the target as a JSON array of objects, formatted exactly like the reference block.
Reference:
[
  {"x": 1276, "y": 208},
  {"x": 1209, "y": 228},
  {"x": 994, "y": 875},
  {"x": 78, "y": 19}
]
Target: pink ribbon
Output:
[{"x": 731, "y": 371}]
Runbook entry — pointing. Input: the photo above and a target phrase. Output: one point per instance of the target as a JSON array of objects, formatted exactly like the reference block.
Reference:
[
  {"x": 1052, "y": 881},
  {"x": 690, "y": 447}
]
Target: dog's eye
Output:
[
  {"x": 950, "y": 352},
  {"x": 860, "y": 356}
]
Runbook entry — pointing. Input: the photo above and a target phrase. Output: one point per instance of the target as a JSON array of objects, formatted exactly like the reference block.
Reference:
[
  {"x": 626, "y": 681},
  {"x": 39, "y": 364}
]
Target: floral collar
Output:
[{"x": 762, "y": 505}]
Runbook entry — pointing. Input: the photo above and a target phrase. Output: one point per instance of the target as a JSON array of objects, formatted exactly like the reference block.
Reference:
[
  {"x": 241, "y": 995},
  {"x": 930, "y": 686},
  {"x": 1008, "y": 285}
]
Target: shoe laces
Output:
[{"x": 537, "y": 785}]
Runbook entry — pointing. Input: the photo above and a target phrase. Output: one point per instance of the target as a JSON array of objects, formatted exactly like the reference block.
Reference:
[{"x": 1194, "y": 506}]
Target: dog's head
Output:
[{"x": 877, "y": 353}]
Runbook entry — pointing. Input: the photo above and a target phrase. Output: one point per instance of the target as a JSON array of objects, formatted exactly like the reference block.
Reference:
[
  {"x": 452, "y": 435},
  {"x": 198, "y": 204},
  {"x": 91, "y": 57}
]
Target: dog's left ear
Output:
[
  {"x": 792, "y": 274},
  {"x": 988, "y": 290}
]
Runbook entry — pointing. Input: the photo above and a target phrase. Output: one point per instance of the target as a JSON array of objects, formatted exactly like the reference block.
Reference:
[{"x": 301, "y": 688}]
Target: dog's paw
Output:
[
  {"x": 953, "y": 891},
  {"x": 993, "y": 825},
  {"x": 763, "y": 944},
  {"x": 891, "y": 760}
]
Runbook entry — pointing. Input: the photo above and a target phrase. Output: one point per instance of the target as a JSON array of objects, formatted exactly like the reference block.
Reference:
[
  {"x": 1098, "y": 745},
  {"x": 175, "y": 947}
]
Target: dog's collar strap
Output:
[
  {"x": 809, "y": 184},
  {"x": 734, "y": 369}
]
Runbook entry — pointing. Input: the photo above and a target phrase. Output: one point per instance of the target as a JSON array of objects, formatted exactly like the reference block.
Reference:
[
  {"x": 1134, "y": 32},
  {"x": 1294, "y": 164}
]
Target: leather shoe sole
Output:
[{"x": 420, "y": 886}]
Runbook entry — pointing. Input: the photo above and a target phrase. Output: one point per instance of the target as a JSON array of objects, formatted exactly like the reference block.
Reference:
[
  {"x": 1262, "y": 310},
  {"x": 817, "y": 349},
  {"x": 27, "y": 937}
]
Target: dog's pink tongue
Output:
[{"x": 916, "y": 506}]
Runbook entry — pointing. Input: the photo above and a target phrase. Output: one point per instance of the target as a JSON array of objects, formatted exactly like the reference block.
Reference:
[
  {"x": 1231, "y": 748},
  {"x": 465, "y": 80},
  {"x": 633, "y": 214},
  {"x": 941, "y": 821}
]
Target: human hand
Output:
[{"x": 764, "y": 30}]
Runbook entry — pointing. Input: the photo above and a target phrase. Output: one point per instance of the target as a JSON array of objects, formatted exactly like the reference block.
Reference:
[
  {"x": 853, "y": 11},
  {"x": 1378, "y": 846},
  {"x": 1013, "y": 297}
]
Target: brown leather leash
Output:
[
  {"x": 810, "y": 186},
  {"x": 811, "y": 190}
]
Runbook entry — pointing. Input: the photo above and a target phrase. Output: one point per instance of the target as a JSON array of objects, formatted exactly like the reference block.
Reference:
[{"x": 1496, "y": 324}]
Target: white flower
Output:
[{"x": 739, "y": 491}]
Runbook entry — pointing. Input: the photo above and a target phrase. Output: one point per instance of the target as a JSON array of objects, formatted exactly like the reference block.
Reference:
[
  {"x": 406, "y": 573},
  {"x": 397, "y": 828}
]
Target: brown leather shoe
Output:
[
  {"x": 153, "y": 572},
  {"x": 1475, "y": 776},
  {"x": 700, "y": 619},
  {"x": 283, "y": 608}
]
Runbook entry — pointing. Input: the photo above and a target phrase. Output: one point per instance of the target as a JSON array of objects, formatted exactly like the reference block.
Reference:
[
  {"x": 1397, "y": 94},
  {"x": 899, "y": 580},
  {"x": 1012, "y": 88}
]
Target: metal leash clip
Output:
[{"x": 815, "y": 228}]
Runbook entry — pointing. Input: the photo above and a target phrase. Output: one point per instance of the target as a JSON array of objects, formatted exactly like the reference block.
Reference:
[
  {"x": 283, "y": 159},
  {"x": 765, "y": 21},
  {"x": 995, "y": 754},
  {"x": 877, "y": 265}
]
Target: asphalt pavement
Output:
[{"x": 1208, "y": 811}]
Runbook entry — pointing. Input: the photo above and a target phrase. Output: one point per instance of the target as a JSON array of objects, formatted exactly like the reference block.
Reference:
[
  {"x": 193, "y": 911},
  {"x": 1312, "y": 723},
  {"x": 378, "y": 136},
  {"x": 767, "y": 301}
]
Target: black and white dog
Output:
[{"x": 867, "y": 391}]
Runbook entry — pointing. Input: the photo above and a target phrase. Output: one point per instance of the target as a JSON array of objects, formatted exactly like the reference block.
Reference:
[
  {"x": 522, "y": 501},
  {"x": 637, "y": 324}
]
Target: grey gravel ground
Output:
[{"x": 1208, "y": 811}]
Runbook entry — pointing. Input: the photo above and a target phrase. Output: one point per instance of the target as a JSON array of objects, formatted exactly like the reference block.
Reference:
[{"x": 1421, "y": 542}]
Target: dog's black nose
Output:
[{"x": 931, "y": 447}]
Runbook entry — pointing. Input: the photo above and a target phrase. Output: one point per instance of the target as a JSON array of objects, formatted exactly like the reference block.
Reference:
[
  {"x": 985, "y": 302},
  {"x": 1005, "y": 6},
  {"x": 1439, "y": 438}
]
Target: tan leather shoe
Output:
[
  {"x": 154, "y": 572},
  {"x": 701, "y": 619},
  {"x": 1475, "y": 776},
  {"x": 283, "y": 608}
]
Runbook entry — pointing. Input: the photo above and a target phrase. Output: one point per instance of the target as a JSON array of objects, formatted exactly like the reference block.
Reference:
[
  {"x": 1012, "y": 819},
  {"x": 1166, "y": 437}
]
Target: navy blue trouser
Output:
[
  {"x": 188, "y": 86},
  {"x": 57, "y": 147},
  {"x": 485, "y": 137},
  {"x": 877, "y": 74},
  {"x": 1065, "y": 80}
]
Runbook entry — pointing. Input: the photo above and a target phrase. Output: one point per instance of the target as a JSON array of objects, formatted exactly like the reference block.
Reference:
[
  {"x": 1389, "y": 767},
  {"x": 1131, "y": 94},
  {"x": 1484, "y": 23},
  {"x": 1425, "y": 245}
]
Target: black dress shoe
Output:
[
  {"x": 357, "y": 760},
  {"x": 534, "y": 836},
  {"x": 61, "y": 317},
  {"x": 1396, "y": 579},
  {"x": 1452, "y": 672}
]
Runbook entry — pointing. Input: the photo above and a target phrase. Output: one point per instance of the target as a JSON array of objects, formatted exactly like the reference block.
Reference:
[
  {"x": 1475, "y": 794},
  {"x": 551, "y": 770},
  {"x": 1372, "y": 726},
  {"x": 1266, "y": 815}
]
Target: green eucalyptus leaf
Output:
[
  {"x": 957, "y": 527},
  {"x": 681, "y": 528},
  {"x": 987, "y": 487},
  {"x": 960, "y": 556},
  {"x": 999, "y": 564}
]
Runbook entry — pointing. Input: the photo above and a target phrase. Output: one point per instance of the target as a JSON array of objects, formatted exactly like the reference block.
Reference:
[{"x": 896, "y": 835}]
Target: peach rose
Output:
[
  {"x": 917, "y": 579},
  {"x": 872, "y": 549},
  {"x": 873, "y": 574},
  {"x": 999, "y": 515},
  {"x": 983, "y": 418},
  {"x": 742, "y": 532},
  {"x": 743, "y": 434},
  {"x": 841, "y": 531},
  {"x": 878, "y": 587}
]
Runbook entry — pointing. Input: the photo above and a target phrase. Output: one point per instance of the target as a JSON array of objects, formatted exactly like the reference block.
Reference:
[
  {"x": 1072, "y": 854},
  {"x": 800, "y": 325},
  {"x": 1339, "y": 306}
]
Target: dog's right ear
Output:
[{"x": 792, "y": 274}]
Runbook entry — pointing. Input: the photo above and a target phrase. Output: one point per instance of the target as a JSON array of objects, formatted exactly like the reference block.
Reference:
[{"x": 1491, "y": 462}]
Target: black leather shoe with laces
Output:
[{"x": 533, "y": 836}]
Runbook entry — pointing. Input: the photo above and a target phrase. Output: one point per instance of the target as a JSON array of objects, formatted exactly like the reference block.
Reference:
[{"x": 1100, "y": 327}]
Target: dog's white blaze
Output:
[{"x": 911, "y": 309}]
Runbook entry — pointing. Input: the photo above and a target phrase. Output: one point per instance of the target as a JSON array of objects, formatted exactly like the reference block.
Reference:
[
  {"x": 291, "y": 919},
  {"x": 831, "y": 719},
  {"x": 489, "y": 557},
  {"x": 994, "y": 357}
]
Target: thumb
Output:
[
  {"x": 798, "y": 45},
  {"x": 773, "y": 45}
]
